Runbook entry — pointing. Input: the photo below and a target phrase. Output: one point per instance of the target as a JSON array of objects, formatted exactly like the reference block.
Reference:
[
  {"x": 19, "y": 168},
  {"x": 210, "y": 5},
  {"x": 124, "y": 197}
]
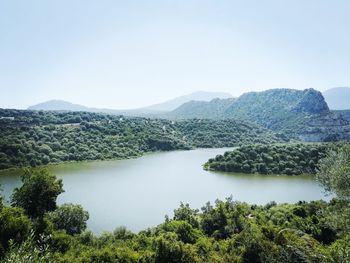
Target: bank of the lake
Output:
[{"x": 139, "y": 192}]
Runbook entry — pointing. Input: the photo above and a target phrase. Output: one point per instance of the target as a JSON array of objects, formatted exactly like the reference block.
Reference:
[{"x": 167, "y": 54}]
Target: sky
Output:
[{"x": 129, "y": 54}]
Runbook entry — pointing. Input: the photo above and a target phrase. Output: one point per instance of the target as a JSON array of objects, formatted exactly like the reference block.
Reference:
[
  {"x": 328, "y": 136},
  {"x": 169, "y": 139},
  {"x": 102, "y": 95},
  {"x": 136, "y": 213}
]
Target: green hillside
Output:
[
  {"x": 213, "y": 109},
  {"x": 32, "y": 138},
  {"x": 278, "y": 108}
]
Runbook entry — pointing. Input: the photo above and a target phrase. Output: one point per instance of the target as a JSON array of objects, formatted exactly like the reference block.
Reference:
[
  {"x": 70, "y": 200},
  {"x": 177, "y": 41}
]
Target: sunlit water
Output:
[{"x": 138, "y": 193}]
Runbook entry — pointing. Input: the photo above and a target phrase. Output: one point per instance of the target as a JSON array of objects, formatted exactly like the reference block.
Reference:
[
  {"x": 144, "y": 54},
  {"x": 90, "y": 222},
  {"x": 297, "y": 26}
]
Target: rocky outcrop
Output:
[
  {"x": 295, "y": 114},
  {"x": 313, "y": 102},
  {"x": 326, "y": 127}
]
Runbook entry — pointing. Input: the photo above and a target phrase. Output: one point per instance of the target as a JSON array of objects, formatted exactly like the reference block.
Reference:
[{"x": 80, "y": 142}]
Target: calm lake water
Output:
[{"x": 138, "y": 193}]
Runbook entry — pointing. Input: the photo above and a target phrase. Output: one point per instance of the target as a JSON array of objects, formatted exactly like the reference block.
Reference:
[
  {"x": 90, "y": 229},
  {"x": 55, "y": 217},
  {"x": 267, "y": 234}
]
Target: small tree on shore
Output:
[
  {"x": 38, "y": 193},
  {"x": 334, "y": 172}
]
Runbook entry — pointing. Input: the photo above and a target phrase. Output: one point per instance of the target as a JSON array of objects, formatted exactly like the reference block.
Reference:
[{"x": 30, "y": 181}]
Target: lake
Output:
[{"x": 138, "y": 193}]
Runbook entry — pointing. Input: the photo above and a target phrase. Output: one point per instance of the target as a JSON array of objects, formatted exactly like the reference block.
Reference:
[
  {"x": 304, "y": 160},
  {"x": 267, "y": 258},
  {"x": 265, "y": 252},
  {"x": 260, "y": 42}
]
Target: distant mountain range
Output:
[
  {"x": 171, "y": 105},
  {"x": 60, "y": 105},
  {"x": 298, "y": 114},
  {"x": 338, "y": 98},
  {"x": 256, "y": 106}
]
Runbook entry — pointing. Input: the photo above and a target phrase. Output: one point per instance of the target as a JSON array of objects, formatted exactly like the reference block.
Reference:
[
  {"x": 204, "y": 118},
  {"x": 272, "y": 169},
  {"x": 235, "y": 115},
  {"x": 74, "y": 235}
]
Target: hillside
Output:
[
  {"x": 213, "y": 109},
  {"x": 195, "y": 96},
  {"x": 61, "y": 105},
  {"x": 344, "y": 113},
  {"x": 338, "y": 98},
  {"x": 32, "y": 138},
  {"x": 298, "y": 114},
  {"x": 58, "y": 105},
  {"x": 275, "y": 108}
]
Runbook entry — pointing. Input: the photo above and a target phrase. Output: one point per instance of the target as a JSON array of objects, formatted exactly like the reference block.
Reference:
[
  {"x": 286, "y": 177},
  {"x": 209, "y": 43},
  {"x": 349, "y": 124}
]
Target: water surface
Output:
[{"x": 138, "y": 193}]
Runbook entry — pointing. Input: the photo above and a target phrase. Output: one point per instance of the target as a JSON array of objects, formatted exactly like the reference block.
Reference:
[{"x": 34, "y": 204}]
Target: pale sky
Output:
[{"x": 128, "y": 54}]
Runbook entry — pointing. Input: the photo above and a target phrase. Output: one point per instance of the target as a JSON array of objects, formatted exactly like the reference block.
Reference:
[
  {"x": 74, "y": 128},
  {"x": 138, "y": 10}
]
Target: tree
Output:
[
  {"x": 169, "y": 250},
  {"x": 30, "y": 251},
  {"x": 70, "y": 217},
  {"x": 185, "y": 213},
  {"x": 334, "y": 172},
  {"x": 38, "y": 193},
  {"x": 14, "y": 225}
]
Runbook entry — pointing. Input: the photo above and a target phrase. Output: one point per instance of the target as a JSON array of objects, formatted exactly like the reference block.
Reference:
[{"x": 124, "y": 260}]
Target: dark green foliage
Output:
[
  {"x": 37, "y": 138},
  {"x": 334, "y": 172},
  {"x": 14, "y": 225},
  {"x": 38, "y": 193},
  {"x": 69, "y": 217},
  {"x": 185, "y": 213},
  {"x": 229, "y": 231},
  {"x": 169, "y": 250},
  {"x": 290, "y": 159},
  {"x": 184, "y": 231}
]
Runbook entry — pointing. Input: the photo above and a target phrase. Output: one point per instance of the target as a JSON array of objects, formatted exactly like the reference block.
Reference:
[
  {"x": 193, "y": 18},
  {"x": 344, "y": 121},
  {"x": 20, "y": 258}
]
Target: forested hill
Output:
[
  {"x": 214, "y": 109},
  {"x": 290, "y": 159},
  {"x": 299, "y": 114},
  {"x": 32, "y": 138}
]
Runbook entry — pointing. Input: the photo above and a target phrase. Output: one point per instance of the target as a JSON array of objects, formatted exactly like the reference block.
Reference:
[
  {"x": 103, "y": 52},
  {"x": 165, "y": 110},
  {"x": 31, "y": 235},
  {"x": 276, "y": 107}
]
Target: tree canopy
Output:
[
  {"x": 226, "y": 231},
  {"x": 289, "y": 159},
  {"x": 334, "y": 172},
  {"x": 38, "y": 193},
  {"x": 69, "y": 217},
  {"x": 39, "y": 138}
]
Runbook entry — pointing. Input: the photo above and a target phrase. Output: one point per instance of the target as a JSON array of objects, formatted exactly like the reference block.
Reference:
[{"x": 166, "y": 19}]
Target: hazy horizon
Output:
[
  {"x": 147, "y": 105},
  {"x": 124, "y": 55}
]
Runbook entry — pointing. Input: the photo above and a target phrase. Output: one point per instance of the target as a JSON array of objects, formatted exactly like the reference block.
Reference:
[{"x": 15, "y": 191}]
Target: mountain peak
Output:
[
  {"x": 312, "y": 102},
  {"x": 58, "y": 105}
]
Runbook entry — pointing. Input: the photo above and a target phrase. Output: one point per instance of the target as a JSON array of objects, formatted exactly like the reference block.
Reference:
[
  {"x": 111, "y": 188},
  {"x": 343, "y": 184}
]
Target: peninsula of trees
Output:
[{"x": 290, "y": 159}]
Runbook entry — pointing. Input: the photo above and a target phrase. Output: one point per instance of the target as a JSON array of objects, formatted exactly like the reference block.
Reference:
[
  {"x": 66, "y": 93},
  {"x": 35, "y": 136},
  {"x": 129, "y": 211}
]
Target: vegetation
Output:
[
  {"x": 32, "y": 250},
  {"x": 334, "y": 172},
  {"x": 290, "y": 159},
  {"x": 228, "y": 231},
  {"x": 38, "y": 193},
  {"x": 70, "y": 218},
  {"x": 35, "y": 229},
  {"x": 35, "y": 138}
]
